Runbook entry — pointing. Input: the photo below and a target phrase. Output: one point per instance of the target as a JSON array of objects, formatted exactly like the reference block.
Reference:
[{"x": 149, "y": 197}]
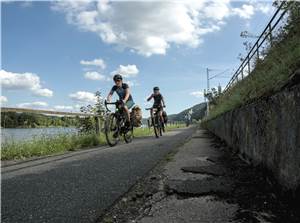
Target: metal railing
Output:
[{"x": 246, "y": 68}]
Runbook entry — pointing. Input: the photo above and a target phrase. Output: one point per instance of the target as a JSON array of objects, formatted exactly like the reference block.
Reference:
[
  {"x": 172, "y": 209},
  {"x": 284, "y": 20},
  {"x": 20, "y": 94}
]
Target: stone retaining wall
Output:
[{"x": 267, "y": 132}]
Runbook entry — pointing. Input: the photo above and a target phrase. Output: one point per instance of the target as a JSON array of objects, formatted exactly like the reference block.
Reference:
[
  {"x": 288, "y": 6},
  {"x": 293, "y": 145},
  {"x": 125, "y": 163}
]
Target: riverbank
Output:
[{"x": 62, "y": 143}]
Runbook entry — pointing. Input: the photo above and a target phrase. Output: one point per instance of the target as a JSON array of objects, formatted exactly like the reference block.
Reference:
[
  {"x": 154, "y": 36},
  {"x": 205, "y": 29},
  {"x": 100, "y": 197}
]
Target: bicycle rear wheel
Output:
[
  {"x": 112, "y": 133},
  {"x": 128, "y": 135}
]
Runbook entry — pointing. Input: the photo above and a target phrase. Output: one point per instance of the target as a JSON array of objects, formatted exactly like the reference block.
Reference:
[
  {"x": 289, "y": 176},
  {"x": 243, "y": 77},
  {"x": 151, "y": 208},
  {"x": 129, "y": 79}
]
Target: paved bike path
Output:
[{"x": 79, "y": 186}]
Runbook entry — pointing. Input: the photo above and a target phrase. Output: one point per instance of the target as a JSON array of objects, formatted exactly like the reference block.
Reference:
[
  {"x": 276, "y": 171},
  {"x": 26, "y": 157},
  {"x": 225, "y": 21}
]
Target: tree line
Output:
[{"x": 32, "y": 120}]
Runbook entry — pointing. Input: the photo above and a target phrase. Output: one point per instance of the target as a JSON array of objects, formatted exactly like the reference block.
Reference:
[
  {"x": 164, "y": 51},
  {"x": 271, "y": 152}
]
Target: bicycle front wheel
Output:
[
  {"x": 155, "y": 127},
  {"x": 159, "y": 125},
  {"x": 112, "y": 132}
]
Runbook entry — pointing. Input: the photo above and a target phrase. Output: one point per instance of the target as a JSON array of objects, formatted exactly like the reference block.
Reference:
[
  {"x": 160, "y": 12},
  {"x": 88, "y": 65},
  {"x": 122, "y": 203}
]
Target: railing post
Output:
[
  {"x": 270, "y": 34},
  {"x": 257, "y": 51},
  {"x": 248, "y": 63},
  {"x": 242, "y": 72}
]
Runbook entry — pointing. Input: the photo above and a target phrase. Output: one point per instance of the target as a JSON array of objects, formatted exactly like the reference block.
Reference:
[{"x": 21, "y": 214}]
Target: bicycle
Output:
[
  {"x": 115, "y": 124},
  {"x": 156, "y": 122}
]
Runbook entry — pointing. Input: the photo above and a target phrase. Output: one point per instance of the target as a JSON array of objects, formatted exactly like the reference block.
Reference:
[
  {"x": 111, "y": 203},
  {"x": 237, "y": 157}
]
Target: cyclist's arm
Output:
[
  {"x": 109, "y": 96},
  {"x": 151, "y": 96},
  {"x": 163, "y": 102}
]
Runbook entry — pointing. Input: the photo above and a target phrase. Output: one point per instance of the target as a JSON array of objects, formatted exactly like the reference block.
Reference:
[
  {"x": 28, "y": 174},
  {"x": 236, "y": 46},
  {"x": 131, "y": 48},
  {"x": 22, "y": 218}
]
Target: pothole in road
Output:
[
  {"x": 207, "y": 186},
  {"x": 201, "y": 137},
  {"x": 214, "y": 170},
  {"x": 202, "y": 158},
  {"x": 211, "y": 159}
]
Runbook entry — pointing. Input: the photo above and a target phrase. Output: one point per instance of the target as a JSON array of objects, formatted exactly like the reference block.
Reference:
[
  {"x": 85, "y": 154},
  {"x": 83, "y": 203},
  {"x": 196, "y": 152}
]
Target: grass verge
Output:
[
  {"x": 268, "y": 77},
  {"x": 43, "y": 146}
]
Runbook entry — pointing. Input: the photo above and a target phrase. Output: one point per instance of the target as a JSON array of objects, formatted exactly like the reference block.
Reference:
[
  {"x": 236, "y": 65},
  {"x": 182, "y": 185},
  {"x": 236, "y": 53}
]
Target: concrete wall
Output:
[{"x": 267, "y": 132}]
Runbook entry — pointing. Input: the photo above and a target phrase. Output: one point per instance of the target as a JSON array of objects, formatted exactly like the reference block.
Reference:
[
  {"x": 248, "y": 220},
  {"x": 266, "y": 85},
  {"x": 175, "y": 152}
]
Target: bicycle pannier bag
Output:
[
  {"x": 136, "y": 116},
  {"x": 165, "y": 116}
]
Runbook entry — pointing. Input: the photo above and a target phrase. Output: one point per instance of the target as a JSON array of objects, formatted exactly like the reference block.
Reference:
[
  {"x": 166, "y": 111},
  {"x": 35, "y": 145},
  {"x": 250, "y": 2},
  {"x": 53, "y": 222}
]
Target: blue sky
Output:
[{"x": 55, "y": 55}]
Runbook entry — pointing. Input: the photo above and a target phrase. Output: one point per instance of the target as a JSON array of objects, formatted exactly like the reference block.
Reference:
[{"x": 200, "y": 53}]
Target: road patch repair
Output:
[{"x": 204, "y": 181}]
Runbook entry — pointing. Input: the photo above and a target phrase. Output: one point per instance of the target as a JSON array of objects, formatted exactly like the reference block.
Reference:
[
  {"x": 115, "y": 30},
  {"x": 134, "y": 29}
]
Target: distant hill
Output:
[{"x": 198, "y": 113}]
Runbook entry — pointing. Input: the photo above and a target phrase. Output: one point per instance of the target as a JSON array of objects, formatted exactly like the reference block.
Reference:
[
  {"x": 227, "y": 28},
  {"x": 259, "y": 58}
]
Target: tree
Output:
[{"x": 90, "y": 124}]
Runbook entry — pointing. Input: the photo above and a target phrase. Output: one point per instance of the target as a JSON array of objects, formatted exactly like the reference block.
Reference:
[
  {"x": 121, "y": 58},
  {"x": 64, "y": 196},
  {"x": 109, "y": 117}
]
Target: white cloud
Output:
[
  {"x": 264, "y": 8},
  {"x": 150, "y": 27},
  {"x": 197, "y": 94},
  {"x": 36, "y": 104},
  {"x": 131, "y": 83},
  {"x": 93, "y": 75},
  {"x": 83, "y": 97},
  {"x": 43, "y": 92},
  {"x": 96, "y": 62},
  {"x": 127, "y": 71},
  {"x": 246, "y": 11},
  {"x": 3, "y": 99},
  {"x": 63, "y": 107},
  {"x": 23, "y": 81}
]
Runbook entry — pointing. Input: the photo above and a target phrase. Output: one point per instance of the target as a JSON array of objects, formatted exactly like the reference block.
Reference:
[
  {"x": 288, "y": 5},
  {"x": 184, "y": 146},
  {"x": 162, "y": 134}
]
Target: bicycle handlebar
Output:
[
  {"x": 154, "y": 108},
  {"x": 110, "y": 103}
]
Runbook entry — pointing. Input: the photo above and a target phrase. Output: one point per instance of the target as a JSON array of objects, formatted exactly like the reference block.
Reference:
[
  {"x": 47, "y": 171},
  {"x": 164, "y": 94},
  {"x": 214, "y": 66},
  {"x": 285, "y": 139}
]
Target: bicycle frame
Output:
[
  {"x": 156, "y": 121},
  {"x": 120, "y": 126},
  {"x": 153, "y": 112},
  {"x": 119, "y": 111}
]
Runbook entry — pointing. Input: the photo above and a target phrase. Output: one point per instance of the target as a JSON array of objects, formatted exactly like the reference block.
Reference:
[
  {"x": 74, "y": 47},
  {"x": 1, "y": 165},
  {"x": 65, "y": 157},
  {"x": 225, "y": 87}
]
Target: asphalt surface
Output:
[{"x": 80, "y": 186}]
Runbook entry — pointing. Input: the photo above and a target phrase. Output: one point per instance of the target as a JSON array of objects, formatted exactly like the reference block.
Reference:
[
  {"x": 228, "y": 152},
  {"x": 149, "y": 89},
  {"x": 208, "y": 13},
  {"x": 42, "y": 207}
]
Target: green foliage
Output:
[
  {"x": 88, "y": 124},
  {"x": 32, "y": 120},
  {"x": 49, "y": 145},
  {"x": 213, "y": 94},
  {"x": 270, "y": 74}
]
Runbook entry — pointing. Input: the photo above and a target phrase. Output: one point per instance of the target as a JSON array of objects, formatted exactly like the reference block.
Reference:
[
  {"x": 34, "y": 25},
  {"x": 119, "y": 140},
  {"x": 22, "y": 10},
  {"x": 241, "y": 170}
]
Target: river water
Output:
[{"x": 21, "y": 134}]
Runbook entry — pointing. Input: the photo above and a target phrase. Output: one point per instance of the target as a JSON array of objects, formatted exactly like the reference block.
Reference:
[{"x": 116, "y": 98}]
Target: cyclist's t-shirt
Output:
[
  {"x": 157, "y": 100},
  {"x": 121, "y": 91}
]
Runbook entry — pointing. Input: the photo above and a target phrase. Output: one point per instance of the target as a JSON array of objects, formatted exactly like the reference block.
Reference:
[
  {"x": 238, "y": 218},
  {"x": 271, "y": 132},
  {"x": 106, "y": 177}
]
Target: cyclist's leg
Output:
[
  {"x": 127, "y": 106},
  {"x": 127, "y": 114},
  {"x": 161, "y": 115}
]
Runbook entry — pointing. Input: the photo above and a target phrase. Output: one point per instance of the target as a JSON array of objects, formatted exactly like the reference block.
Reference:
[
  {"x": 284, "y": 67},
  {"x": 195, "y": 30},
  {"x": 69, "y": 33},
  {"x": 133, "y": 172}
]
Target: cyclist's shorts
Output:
[
  {"x": 129, "y": 104},
  {"x": 158, "y": 107}
]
